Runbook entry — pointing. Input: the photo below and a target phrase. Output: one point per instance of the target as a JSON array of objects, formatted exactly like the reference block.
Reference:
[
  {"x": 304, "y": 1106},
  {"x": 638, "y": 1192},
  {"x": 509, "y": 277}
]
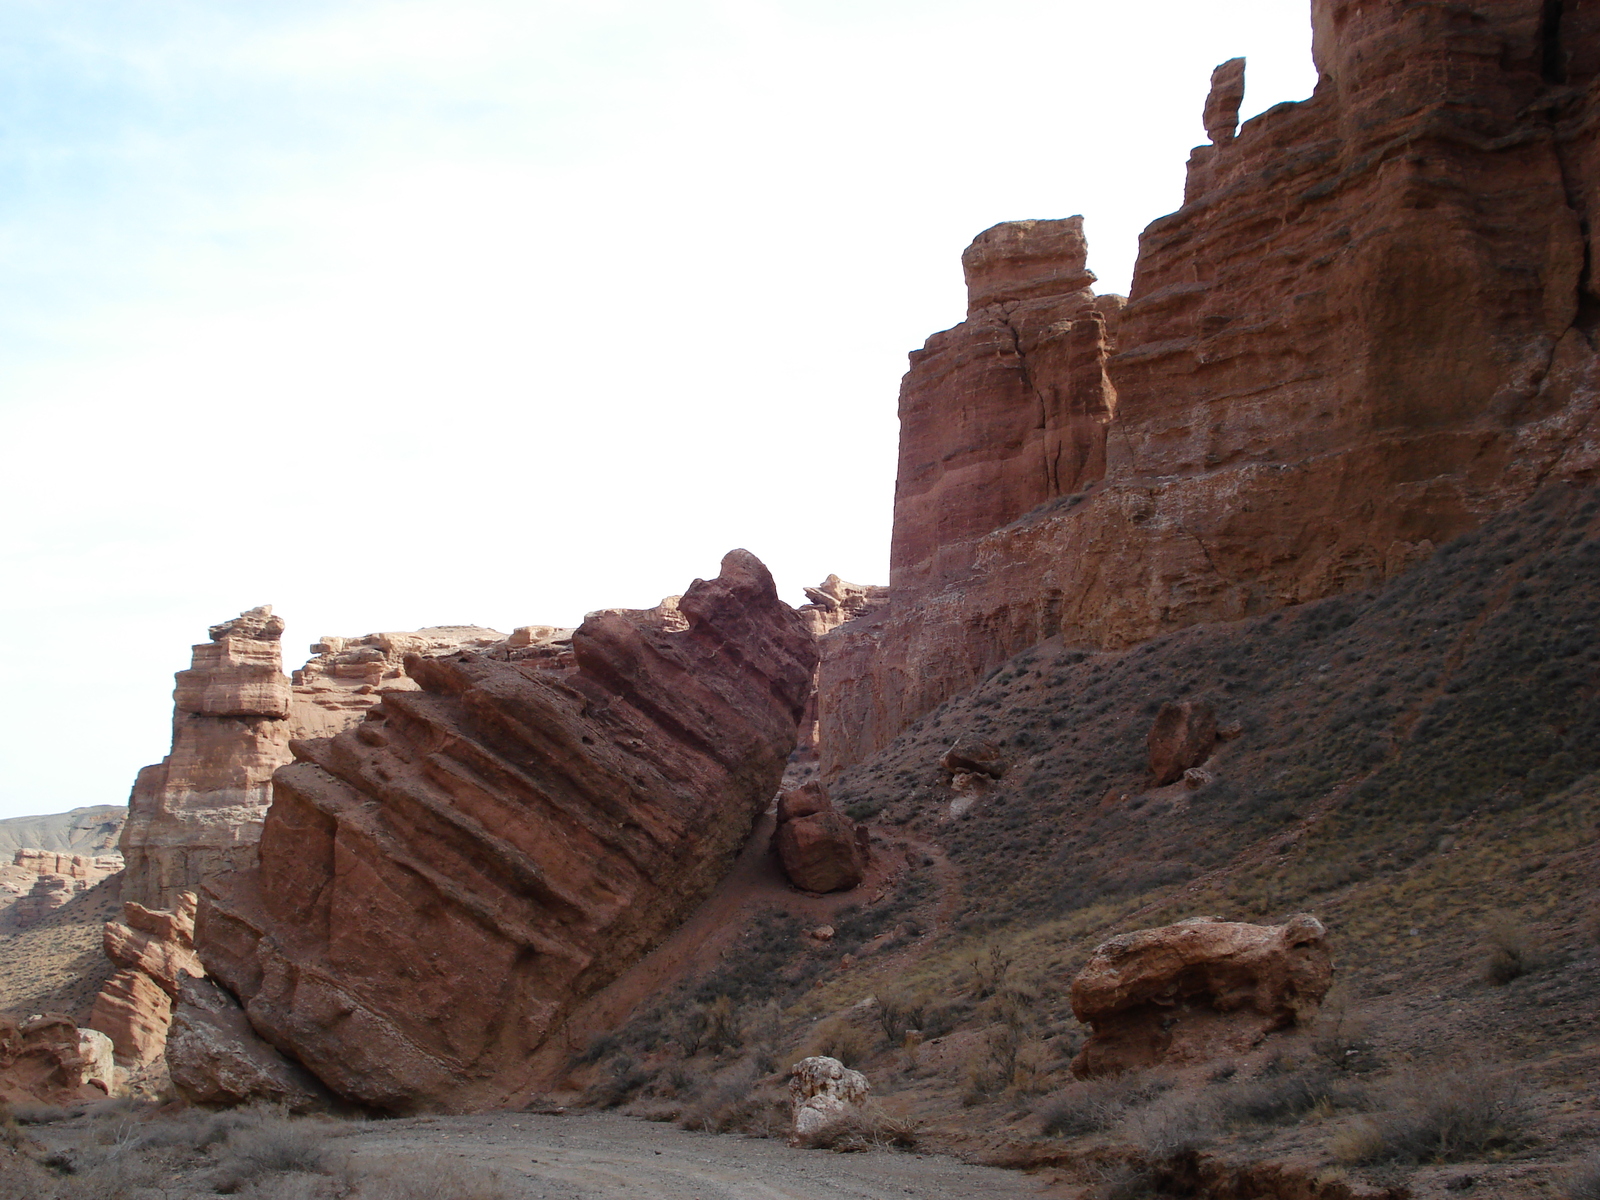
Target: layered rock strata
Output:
[
  {"x": 1195, "y": 990},
  {"x": 37, "y": 882},
  {"x": 438, "y": 886},
  {"x": 46, "y": 1059},
  {"x": 1369, "y": 328},
  {"x": 154, "y": 952},
  {"x": 198, "y": 812}
]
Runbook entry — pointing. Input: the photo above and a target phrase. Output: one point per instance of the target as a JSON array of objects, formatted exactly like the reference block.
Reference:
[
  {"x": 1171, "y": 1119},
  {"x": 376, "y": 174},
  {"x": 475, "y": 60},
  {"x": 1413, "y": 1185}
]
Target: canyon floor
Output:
[{"x": 499, "y": 1156}]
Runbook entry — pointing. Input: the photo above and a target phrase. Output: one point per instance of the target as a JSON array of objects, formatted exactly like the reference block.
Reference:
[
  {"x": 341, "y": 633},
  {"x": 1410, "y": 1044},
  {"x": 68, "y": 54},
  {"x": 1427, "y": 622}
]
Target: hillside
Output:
[
  {"x": 92, "y": 831},
  {"x": 1418, "y": 766}
]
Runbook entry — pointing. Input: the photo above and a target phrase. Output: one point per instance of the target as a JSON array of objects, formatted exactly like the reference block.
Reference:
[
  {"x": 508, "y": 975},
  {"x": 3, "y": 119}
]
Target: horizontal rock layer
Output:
[{"x": 439, "y": 885}]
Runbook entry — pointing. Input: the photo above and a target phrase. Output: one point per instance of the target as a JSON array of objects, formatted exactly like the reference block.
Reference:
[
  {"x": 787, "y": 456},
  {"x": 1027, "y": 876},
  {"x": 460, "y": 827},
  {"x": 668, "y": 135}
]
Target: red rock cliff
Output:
[
  {"x": 439, "y": 885},
  {"x": 1369, "y": 327}
]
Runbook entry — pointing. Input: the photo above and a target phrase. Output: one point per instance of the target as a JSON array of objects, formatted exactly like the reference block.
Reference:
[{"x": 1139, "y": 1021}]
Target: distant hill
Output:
[{"x": 92, "y": 830}]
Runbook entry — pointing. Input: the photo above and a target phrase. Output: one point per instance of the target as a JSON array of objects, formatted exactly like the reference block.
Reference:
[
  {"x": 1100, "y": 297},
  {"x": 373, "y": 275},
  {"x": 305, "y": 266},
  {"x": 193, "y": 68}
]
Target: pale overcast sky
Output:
[{"x": 496, "y": 311}]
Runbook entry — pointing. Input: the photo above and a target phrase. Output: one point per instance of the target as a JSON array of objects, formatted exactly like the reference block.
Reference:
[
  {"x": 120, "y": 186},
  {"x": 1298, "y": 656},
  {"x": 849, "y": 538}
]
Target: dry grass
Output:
[
  {"x": 869, "y": 1129},
  {"x": 1440, "y": 1114},
  {"x": 428, "y": 1176},
  {"x": 1097, "y": 1105},
  {"x": 1583, "y": 1181}
]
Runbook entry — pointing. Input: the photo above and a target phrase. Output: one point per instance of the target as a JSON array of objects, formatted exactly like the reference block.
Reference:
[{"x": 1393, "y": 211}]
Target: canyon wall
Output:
[
  {"x": 199, "y": 811},
  {"x": 440, "y": 884},
  {"x": 1369, "y": 328}
]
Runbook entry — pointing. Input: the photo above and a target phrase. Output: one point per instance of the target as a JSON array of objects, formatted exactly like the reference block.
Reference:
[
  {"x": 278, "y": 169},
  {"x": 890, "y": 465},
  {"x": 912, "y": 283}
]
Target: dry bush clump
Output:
[
  {"x": 868, "y": 1129},
  {"x": 1442, "y": 1114},
  {"x": 1583, "y": 1181},
  {"x": 741, "y": 1104},
  {"x": 1514, "y": 950},
  {"x": 1171, "y": 1126},
  {"x": 1096, "y": 1105},
  {"x": 1279, "y": 1098},
  {"x": 839, "y": 1037},
  {"x": 428, "y": 1177},
  {"x": 1125, "y": 1182}
]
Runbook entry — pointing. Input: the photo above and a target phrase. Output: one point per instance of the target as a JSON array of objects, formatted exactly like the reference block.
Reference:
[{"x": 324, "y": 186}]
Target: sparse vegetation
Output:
[
  {"x": 1440, "y": 1114},
  {"x": 1583, "y": 1181}
]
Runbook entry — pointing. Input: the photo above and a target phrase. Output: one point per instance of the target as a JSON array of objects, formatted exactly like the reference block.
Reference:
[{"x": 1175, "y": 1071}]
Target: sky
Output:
[{"x": 416, "y": 312}]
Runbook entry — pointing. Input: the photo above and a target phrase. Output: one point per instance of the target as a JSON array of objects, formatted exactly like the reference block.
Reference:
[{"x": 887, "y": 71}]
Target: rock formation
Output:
[
  {"x": 1181, "y": 739},
  {"x": 215, "y": 1058},
  {"x": 822, "y": 1091},
  {"x": 92, "y": 831},
  {"x": 821, "y": 849},
  {"x": 198, "y": 812},
  {"x": 154, "y": 953},
  {"x": 1197, "y": 989},
  {"x": 46, "y": 1059},
  {"x": 1367, "y": 330},
  {"x": 40, "y": 881},
  {"x": 438, "y": 886},
  {"x": 832, "y": 603}
]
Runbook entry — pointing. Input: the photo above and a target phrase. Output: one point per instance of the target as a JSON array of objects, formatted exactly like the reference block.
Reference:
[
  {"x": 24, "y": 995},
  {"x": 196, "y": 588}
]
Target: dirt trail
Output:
[{"x": 596, "y": 1156}]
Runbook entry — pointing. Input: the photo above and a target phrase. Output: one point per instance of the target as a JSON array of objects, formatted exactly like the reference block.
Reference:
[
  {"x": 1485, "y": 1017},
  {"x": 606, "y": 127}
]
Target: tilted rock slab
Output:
[
  {"x": 440, "y": 885},
  {"x": 1197, "y": 989}
]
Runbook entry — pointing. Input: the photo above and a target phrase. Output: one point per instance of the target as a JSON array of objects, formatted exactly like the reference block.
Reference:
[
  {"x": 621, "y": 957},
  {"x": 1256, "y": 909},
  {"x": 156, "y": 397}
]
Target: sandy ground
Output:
[{"x": 586, "y": 1156}]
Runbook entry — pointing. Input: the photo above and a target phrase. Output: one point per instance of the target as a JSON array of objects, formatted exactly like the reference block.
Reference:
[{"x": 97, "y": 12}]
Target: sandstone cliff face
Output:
[
  {"x": 198, "y": 812},
  {"x": 440, "y": 884},
  {"x": 1368, "y": 329}
]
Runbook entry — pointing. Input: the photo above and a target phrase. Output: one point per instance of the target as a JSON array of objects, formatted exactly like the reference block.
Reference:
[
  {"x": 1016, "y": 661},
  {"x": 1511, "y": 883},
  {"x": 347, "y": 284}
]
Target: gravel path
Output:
[{"x": 590, "y": 1156}]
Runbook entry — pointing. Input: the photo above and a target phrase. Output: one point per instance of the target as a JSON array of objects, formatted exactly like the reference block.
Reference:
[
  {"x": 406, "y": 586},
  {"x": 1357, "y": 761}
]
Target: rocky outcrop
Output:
[
  {"x": 1198, "y": 989},
  {"x": 820, "y": 848},
  {"x": 215, "y": 1058},
  {"x": 199, "y": 811},
  {"x": 438, "y": 886},
  {"x": 154, "y": 953},
  {"x": 1368, "y": 329},
  {"x": 822, "y": 1092},
  {"x": 47, "y": 1059},
  {"x": 92, "y": 832},
  {"x": 1180, "y": 739},
  {"x": 37, "y": 882}
]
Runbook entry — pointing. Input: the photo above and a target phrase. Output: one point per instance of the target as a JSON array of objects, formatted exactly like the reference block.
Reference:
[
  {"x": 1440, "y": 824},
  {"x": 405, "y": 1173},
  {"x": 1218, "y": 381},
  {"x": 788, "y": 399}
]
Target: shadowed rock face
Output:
[
  {"x": 439, "y": 885},
  {"x": 1369, "y": 328},
  {"x": 1197, "y": 989}
]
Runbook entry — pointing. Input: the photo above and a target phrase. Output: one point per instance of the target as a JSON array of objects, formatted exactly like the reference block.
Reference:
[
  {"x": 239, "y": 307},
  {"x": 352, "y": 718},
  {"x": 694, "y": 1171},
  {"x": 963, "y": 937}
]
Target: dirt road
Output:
[{"x": 596, "y": 1156}]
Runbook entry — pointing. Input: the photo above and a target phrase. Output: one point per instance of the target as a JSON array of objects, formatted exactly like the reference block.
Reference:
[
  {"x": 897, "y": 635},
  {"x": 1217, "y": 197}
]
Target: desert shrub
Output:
[
  {"x": 599, "y": 1047},
  {"x": 899, "y": 1012},
  {"x": 276, "y": 1144},
  {"x": 1125, "y": 1182},
  {"x": 1277, "y": 1099},
  {"x": 34, "y": 1114},
  {"x": 429, "y": 1177},
  {"x": 838, "y": 1037},
  {"x": 297, "y": 1185},
  {"x": 1439, "y": 1115},
  {"x": 1513, "y": 950},
  {"x": 622, "y": 1079},
  {"x": 1583, "y": 1181},
  {"x": 1171, "y": 1126},
  {"x": 739, "y": 1105},
  {"x": 868, "y": 1129},
  {"x": 1095, "y": 1105}
]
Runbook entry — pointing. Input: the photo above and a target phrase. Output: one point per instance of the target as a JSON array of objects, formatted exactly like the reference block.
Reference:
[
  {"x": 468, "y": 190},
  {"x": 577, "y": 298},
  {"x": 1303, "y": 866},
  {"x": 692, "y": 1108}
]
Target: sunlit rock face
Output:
[
  {"x": 440, "y": 885},
  {"x": 1367, "y": 329}
]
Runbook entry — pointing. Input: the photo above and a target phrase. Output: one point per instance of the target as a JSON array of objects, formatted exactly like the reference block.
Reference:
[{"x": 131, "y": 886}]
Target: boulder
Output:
[
  {"x": 440, "y": 886},
  {"x": 1182, "y": 737},
  {"x": 1201, "y": 988},
  {"x": 803, "y": 801},
  {"x": 135, "y": 1013},
  {"x": 216, "y": 1058},
  {"x": 821, "y": 849},
  {"x": 823, "y": 1090},
  {"x": 47, "y": 1059},
  {"x": 974, "y": 756}
]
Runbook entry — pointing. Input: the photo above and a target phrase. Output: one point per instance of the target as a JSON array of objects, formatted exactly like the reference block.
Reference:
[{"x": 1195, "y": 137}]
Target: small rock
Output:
[{"x": 1194, "y": 777}]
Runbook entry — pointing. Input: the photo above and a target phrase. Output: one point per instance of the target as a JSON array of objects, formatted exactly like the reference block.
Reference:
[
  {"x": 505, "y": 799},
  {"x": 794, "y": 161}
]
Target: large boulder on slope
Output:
[{"x": 1197, "y": 989}]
